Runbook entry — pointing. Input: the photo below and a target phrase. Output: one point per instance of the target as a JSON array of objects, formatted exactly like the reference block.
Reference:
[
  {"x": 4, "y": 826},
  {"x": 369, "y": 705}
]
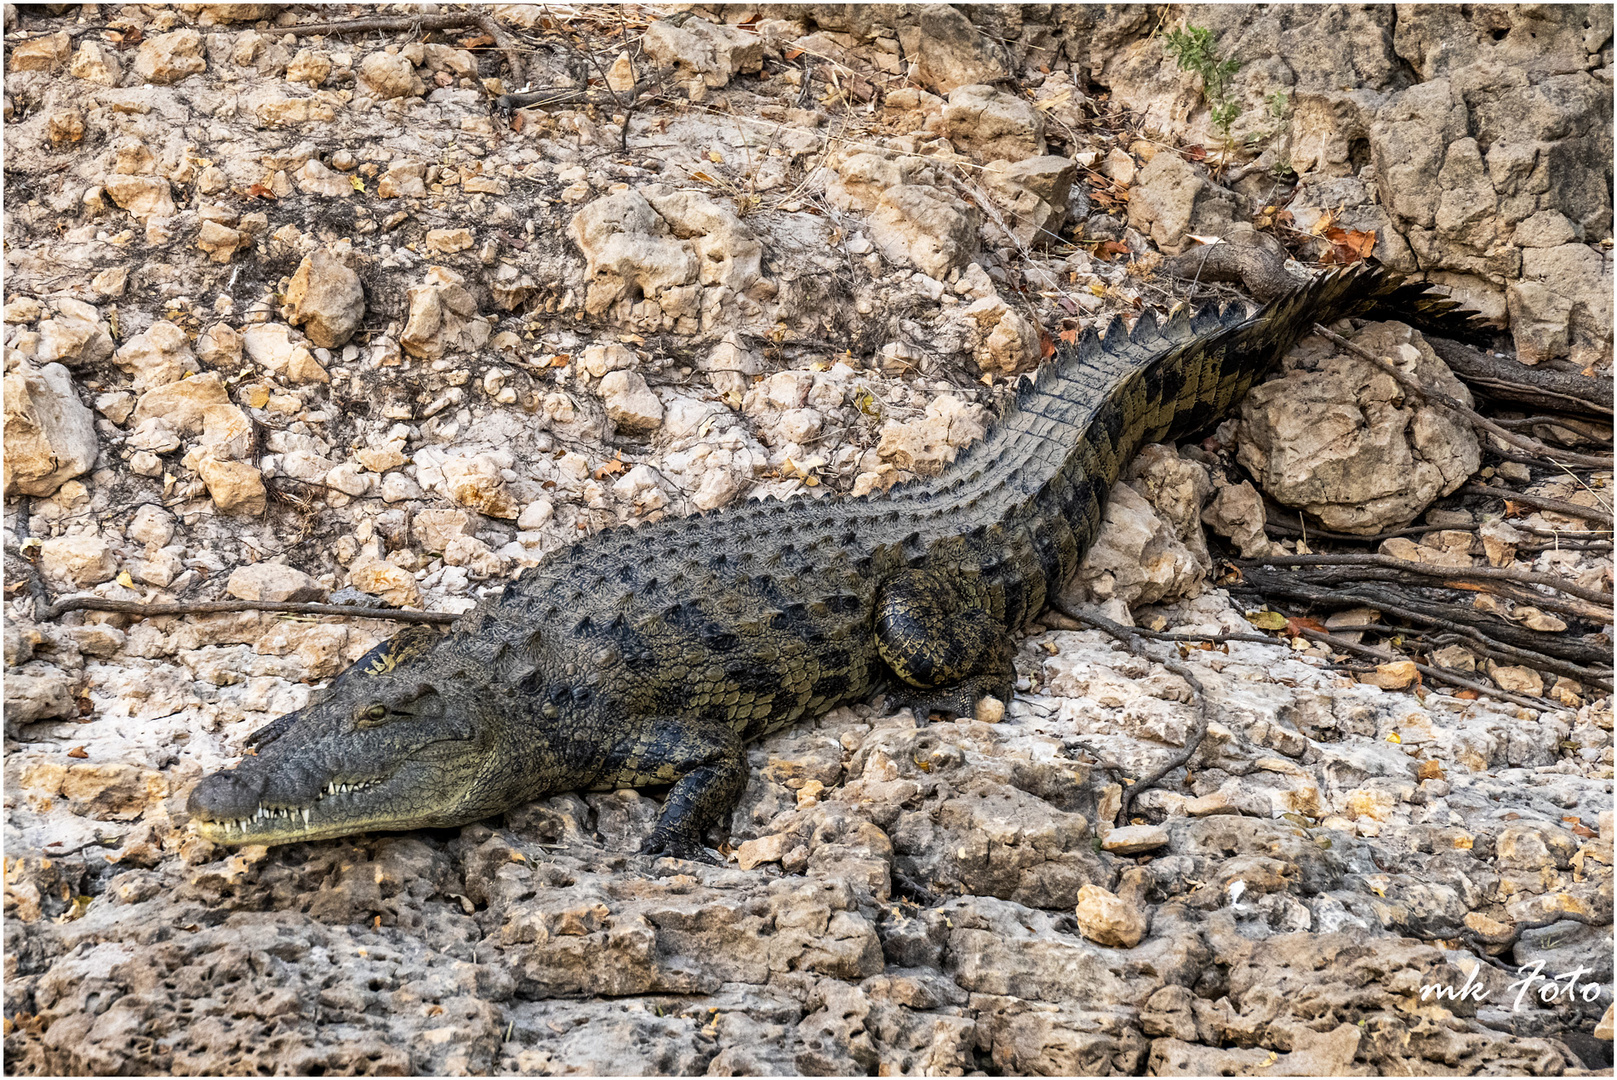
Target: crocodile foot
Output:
[
  {"x": 665, "y": 843},
  {"x": 949, "y": 701}
]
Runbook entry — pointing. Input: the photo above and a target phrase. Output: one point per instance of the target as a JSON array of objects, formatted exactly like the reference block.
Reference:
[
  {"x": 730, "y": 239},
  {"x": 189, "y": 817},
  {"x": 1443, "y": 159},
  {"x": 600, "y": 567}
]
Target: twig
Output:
[
  {"x": 1131, "y": 640},
  {"x": 213, "y": 607},
  {"x": 386, "y": 24},
  {"x": 1498, "y": 650},
  {"x": 503, "y": 42},
  {"x": 1388, "y": 562},
  {"x": 1440, "y": 674},
  {"x": 569, "y": 95},
  {"x": 1437, "y": 397},
  {"x": 1541, "y": 502}
]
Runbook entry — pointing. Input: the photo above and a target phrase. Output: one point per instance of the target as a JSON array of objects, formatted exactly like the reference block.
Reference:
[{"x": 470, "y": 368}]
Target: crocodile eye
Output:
[
  {"x": 370, "y": 715},
  {"x": 377, "y": 711}
]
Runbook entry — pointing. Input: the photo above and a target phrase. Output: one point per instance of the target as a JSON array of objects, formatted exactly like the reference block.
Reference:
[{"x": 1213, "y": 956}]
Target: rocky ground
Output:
[{"x": 292, "y": 316}]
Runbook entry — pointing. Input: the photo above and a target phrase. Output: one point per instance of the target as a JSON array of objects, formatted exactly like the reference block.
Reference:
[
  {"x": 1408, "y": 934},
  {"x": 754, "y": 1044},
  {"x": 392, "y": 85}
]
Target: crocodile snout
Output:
[{"x": 226, "y": 796}]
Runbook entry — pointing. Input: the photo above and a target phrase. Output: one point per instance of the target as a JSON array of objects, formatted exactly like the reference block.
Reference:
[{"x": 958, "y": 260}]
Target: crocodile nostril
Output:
[{"x": 225, "y": 796}]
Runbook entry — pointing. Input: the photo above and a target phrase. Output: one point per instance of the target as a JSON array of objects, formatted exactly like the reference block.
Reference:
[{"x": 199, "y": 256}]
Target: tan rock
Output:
[
  {"x": 764, "y": 849},
  {"x": 620, "y": 76},
  {"x": 77, "y": 561},
  {"x": 271, "y": 346},
  {"x": 183, "y": 405},
  {"x": 925, "y": 446},
  {"x": 168, "y": 58},
  {"x": 309, "y": 66},
  {"x": 1107, "y": 919},
  {"x": 49, "y": 434},
  {"x": 993, "y": 124},
  {"x": 699, "y": 49},
  {"x": 1520, "y": 680},
  {"x": 1392, "y": 676},
  {"x": 476, "y": 482},
  {"x": 94, "y": 63},
  {"x": 273, "y": 582},
  {"x": 403, "y": 179},
  {"x": 1134, "y": 839},
  {"x": 926, "y": 227},
  {"x": 443, "y": 317},
  {"x": 145, "y": 197},
  {"x": 449, "y": 241},
  {"x": 380, "y": 460},
  {"x": 219, "y": 346},
  {"x": 390, "y": 583},
  {"x": 315, "y": 178},
  {"x": 41, "y": 54},
  {"x": 219, "y": 241},
  {"x": 388, "y": 76},
  {"x": 435, "y": 528},
  {"x": 160, "y": 356},
  {"x": 235, "y": 486},
  {"x": 325, "y": 299},
  {"x": 1603, "y": 1030}
]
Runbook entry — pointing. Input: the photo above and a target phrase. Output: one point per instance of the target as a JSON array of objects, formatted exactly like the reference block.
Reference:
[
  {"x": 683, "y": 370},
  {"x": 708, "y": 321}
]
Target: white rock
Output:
[
  {"x": 272, "y": 582},
  {"x": 630, "y": 402},
  {"x": 152, "y": 525},
  {"x": 536, "y": 514},
  {"x": 77, "y": 561}
]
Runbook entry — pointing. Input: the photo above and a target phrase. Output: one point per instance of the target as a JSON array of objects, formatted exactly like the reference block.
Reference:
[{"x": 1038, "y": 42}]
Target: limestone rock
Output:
[
  {"x": 76, "y": 335},
  {"x": 926, "y": 445},
  {"x": 925, "y": 226},
  {"x": 1341, "y": 442},
  {"x": 145, "y": 197},
  {"x": 993, "y": 125},
  {"x": 950, "y": 52},
  {"x": 182, "y": 405},
  {"x": 389, "y": 76},
  {"x": 77, "y": 561},
  {"x": 1236, "y": 512},
  {"x": 160, "y": 356},
  {"x": 273, "y": 582},
  {"x": 234, "y": 486},
  {"x": 168, "y": 58},
  {"x": 630, "y": 402},
  {"x": 325, "y": 299},
  {"x": 391, "y": 584},
  {"x": 271, "y": 346},
  {"x": 1137, "y": 557},
  {"x": 1107, "y": 919},
  {"x": 1134, "y": 839},
  {"x": 49, "y": 434},
  {"x": 1035, "y": 193},
  {"x": 94, "y": 63},
  {"x": 46, "y": 53},
  {"x": 1172, "y": 198},
  {"x": 476, "y": 482},
  {"x": 701, "y": 49},
  {"x": 443, "y": 316}
]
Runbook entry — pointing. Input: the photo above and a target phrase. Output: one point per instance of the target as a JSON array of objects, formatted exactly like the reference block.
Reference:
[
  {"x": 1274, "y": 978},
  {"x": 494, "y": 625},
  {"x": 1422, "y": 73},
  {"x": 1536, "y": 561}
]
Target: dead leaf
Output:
[
  {"x": 1297, "y": 623},
  {"x": 1266, "y": 620},
  {"x": 1194, "y": 153},
  {"x": 1047, "y": 348},
  {"x": 78, "y": 752}
]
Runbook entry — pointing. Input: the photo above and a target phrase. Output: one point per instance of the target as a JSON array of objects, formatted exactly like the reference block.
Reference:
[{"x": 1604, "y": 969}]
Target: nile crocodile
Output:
[{"x": 650, "y": 655}]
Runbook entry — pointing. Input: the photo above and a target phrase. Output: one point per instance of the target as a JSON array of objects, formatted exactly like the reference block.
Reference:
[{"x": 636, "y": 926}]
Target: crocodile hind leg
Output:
[
  {"x": 937, "y": 637},
  {"x": 705, "y": 762}
]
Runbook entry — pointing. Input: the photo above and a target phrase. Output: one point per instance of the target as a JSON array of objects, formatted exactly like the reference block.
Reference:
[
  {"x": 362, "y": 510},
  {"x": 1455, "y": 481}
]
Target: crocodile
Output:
[{"x": 648, "y": 656}]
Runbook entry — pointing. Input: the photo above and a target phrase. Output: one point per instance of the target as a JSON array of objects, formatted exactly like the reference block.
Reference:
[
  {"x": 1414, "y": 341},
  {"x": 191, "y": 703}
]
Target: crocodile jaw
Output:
[{"x": 340, "y": 809}]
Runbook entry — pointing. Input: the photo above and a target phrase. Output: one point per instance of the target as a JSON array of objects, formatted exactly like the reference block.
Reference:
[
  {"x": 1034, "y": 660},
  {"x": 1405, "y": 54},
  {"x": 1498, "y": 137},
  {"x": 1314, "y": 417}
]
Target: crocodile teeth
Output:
[{"x": 305, "y": 817}]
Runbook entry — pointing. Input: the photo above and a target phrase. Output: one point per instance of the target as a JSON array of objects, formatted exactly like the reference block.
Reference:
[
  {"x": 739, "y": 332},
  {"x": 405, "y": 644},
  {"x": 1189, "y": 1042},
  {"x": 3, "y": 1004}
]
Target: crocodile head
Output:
[{"x": 399, "y": 741}]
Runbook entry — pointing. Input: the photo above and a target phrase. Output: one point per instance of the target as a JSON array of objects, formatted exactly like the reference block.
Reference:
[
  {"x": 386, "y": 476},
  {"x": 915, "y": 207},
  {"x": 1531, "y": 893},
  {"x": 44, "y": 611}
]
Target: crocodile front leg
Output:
[
  {"x": 934, "y": 631},
  {"x": 704, "y": 761}
]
